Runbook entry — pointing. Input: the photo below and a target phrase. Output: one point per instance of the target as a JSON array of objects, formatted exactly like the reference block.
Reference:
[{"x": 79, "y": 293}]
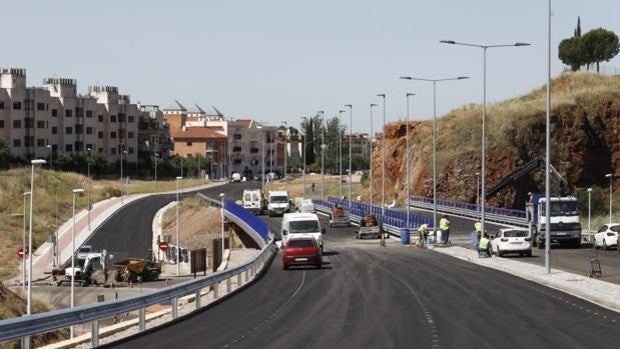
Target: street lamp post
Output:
[
  {"x": 222, "y": 219},
  {"x": 434, "y": 81},
  {"x": 90, "y": 157},
  {"x": 122, "y": 182},
  {"x": 370, "y": 175},
  {"x": 177, "y": 229},
  {"x": 322, "y": 164},
  {"x": 589, "y": 205},
  {"x": 156, "y": 156},
  {"x": 49, "y": 146},
  {"x": 303, "y": 158},
  {"x": 75, "y": 192},
  {"x": 383, "y": 158},
  {"x": 477, "y": 189},
  {"x": 611, "y": 192},
  {"x": 484, "y": 113},
  {"x": 262, "y": 177},
  {"x": 285, "y": 145},
  {"x": 24, "y": 244},
  {"x": 340, "y": 152},
  {"x": 29, "y": 297},
  {"x": 408, "y": 178},
  {"x": 350, "y": 106}
]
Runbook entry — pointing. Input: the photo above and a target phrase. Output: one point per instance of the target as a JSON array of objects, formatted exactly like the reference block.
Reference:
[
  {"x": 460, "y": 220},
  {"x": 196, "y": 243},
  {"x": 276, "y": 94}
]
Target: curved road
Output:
[{"x": 389, "y": 297}]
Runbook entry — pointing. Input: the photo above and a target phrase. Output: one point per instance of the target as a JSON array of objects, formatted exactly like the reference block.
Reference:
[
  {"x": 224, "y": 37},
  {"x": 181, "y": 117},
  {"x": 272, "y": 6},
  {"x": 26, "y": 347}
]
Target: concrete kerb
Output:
[{"x": 599, "y": 292}]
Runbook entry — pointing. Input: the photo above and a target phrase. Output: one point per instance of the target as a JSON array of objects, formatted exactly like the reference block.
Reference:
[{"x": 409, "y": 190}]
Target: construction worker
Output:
[
  {"x": 444, "y": 226},
  {"x": 484, "y": 246},
  {"x": 475, "y": 234},
  {"x": 422, "y": 235}
]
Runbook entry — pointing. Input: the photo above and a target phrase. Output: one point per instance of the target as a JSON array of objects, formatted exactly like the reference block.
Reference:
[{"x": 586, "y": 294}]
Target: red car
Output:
[{"x": 301, "y": 251}]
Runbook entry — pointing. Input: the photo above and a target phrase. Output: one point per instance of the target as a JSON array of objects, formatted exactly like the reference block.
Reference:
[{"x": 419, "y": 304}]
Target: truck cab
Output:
[
  {"x": 564, "y": 220},
  {"x": 278, "y": 203},
  {"x": 302, "y": 225}
]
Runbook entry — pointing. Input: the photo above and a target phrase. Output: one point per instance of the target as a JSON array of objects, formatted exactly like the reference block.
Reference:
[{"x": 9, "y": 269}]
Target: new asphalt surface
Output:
[{"x": 368, "y": 296}]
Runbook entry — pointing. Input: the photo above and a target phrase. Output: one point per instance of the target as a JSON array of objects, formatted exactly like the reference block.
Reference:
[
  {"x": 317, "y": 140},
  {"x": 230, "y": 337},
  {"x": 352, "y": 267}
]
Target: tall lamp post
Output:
[
  {"x": 75, "y": 193},
  {"x": 177, "y": 229},
  {"x": 155, "y": 157},
  {"x": 350, "y": 106},
  {"x": 370, "y": 175},
  {"x": 611, "y": 192},
  {"x": 340, "y": 152},
  {"x": 49, "y": 146},
  {"x": 303, "y": 158},
  {"x": 408, "y": 178},
  {"x": 122, "y": 151},
  {"x": 285, "y": 145},
  {"x": 24, "y": 244},
  {"x": 383, "y": 158},
  {"x": 484, "y": 116},
  {"x": 434, "y": 81},
  {"x": 90, "y": 158},
  {"x": 222, "y": 219},
  {"x": 477, "y": 189},
  {"x": 29, "y": 297},
  {"x": 589, "y": 205},
  {"x": 322, "y": 164}
]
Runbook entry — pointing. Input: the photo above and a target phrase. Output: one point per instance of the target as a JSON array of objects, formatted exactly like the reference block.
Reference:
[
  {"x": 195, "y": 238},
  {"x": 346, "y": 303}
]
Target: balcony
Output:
[
  {"x": 254, "y": 150},
  {"x": 236, "y": 149}
]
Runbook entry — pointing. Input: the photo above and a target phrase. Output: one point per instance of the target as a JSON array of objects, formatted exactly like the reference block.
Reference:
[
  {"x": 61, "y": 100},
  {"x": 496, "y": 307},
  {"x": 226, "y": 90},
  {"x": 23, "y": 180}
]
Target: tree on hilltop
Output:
[{"x": 600, "y": 45}]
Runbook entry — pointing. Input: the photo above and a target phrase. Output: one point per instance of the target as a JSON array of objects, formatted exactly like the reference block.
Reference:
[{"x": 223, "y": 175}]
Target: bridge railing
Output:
[
  {"x": 462, "y": 209},
  {"x": 26, "y": 326}
]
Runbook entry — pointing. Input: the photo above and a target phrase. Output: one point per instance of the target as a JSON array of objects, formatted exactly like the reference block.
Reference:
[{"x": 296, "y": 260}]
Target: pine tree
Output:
[{"x": 578, "y": 29}]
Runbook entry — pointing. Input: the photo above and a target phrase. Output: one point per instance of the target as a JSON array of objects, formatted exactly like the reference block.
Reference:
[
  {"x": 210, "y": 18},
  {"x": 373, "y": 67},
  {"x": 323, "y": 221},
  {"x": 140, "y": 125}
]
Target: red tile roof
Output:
[{"x": 196, "y": 133}]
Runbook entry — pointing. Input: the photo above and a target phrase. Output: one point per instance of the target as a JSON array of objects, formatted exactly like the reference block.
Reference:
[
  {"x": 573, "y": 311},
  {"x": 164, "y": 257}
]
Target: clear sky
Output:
[{"x": 280, "y": 60}]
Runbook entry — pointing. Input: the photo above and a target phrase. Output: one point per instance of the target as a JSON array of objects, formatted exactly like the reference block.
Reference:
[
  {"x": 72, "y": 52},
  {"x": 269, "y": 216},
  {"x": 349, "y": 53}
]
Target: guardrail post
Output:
[
  {"x": 239, "y": 280},
  {"x": 26, "y": 342},
  {"x": 142, "y": 325},
  {"x": 216, "y": 290},
  {"x": 94, "y": 333},
  {"x": 197, "y": 300},
  {"x": 175, "y": 305},
  {"x": 228, "y": 285}
]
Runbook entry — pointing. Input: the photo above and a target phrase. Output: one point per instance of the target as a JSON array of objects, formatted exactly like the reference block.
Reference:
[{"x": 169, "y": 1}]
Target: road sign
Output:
[
  {"x": 20, "y": 252},
  {"x": 163, "y": 246}
]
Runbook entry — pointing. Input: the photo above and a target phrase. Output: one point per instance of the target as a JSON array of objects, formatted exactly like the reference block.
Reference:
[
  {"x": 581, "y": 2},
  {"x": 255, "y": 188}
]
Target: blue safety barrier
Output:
[{"x": 232, "y": 211}]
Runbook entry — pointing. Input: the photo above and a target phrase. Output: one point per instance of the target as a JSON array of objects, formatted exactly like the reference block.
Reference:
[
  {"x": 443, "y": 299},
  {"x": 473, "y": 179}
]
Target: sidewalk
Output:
[
  {"x": 101, "y": 211},
  {"x": 599, "y": 292}
]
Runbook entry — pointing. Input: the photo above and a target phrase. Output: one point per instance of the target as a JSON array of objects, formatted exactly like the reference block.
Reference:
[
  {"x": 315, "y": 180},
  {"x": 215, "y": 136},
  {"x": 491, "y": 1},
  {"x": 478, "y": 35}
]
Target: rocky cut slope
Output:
[{"x": 585, "y": 124}]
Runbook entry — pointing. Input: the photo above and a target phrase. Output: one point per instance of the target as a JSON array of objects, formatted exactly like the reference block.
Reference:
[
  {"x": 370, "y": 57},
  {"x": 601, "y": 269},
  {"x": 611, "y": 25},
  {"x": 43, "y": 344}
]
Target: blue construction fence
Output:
[
  {"x": 249, "y": 218},
  {"x": 472, "y": 207},
  {"x": 395, "y": 218}
]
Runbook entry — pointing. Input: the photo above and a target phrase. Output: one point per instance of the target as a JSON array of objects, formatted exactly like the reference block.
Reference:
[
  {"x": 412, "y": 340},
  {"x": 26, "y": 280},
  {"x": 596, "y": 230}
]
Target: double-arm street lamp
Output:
[
  {"x": 383, "y": 158},
  {"x": 285, "y": 151},
  {"x": 340, "y": 151},
  {"x": 350, "y": 106},
  {"x": 434, "y": 81},
  {"x": 484, "y": 102},
  {"x": 408, "y": 179},
  {"x": 370, "y": 175},
  {"x": 303, "y": 159}
]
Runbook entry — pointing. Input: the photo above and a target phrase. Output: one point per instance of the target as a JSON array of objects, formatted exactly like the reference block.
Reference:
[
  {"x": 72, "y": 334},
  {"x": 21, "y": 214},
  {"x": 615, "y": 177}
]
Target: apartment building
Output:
[
  {"x": 360, "y": 144},
  {"x": 37, "y": 122}
]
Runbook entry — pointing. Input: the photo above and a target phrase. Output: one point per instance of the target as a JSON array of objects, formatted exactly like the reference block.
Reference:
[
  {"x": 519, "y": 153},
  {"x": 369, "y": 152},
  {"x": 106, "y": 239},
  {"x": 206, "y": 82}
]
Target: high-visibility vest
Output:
[
  {"x": 483, "y": 244},
  {"x": 478, "y": 226},
  {"x": 444, "y": 224},
  {"x": 423, "y": 229}
]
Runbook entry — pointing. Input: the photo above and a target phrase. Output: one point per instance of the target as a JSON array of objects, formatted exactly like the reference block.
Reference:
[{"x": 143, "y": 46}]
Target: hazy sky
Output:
[{"x": 280, "y": 60}]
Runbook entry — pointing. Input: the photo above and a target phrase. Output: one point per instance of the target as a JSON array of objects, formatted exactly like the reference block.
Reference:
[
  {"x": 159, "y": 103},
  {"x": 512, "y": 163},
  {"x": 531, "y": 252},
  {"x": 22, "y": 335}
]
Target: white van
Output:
[
  {"x": 236, "y": 177},
  {"x": 302, "y": 224},
  {"x": 253, "y": 201},
  {"x": 278, "y": 203}
]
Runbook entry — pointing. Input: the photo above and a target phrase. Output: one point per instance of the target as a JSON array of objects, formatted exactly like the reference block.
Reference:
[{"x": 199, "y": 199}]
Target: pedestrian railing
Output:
[
  {"x": 393, "y": 221},
  {"x": 462, "y": 209},
  {"x": 26, "y": 326}
]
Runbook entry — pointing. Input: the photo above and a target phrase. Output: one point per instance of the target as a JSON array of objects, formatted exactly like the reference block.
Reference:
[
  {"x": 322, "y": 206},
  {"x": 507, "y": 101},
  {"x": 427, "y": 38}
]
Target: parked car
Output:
[
  {"x": 511, "y": 240},
  {"x": 607, "y": 236},
  {"x": 301, "y": 251}
]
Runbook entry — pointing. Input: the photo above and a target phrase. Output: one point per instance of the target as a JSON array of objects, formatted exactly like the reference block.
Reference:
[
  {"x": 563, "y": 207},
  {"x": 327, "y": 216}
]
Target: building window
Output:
[
  {"x": 79, "y": 113},
  {"x": 112, "y": 118},
  {"x": 17, "y": 143},
  {"x": 40, "y": 142},
  {"x": 28, "y": 104},
  {"x": 130, "y": 135},
  {"x": 40, "y": 124},
  {"x": 68, "y": 130},
  {"x": 130, "y": 150},
  {"x": 121, "y": 117},
  {"x": 79, "y": 146},
  {"x": 113, "y": 135},
  {"x": 99, "y": 150},
  {"x": 40, "y": 106},
  {"x": 28, "y": 123},
  {"x": 89, "y": 146},
  {"x": 89, "y": 131},
  {"x": 17, "y": 124},
  {"x": 237, "y": 136},
  {"x": 189, "y": 144},
  {"x": 54, "y": 112},
  {"x": 54, "y": 130},
  {"x": 68, "y": 113},
  {"x": 100, "y": 117},
  {"x": 17, "y": 105},
  {"x": 69, "y": 147},
  {"x": 100, "y": 134},
  {"x": 1, "y": 123},
  {"x": 1, "y": 104},
  {"x": 130, "y": 118},
  {"x": 28, "y": 141},
  {"x": 79, "y": 129},
  {"x": 89, "y": 113},
  {"x": 113, "y": 151}
]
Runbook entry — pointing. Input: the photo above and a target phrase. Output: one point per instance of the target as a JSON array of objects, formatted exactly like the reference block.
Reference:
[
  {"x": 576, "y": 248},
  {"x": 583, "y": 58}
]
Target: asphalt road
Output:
[{"x": 397, "y": 296}]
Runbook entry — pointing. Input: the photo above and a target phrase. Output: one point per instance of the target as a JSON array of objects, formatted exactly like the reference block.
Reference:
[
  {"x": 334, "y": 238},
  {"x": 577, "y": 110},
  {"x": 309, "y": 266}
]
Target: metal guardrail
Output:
[
  {"x": 26, "y": 326},
  {"x": 493, "y": 214}
]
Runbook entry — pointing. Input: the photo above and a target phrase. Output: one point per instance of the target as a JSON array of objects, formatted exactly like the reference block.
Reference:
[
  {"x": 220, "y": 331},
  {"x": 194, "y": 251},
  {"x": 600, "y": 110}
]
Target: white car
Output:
[
  {"x": 512, "y": 240},
  {"x": 607, "y": 236}
]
